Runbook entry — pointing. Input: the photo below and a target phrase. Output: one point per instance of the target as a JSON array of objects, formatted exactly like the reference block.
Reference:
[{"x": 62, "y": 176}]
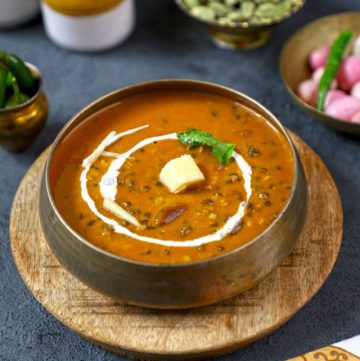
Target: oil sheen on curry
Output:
[{"x": 172, "y": 177}]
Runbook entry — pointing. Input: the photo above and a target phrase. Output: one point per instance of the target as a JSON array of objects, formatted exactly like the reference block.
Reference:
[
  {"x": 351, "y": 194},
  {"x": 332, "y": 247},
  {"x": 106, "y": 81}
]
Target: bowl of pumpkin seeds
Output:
[{"x": 240, "y": 24}]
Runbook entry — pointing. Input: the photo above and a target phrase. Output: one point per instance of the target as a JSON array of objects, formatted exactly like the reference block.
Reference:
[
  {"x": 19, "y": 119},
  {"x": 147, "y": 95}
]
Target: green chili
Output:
[
  {"x": 16, "y": 89},
  {"x": 9, "y": 78},
  {"x": 2, "y": 87},
  {"x": 17, "y": 97},
  {"x": 14, "y": 101},
  {"x": 332, "y": 65},
  {"x": 18, "y": 68}
]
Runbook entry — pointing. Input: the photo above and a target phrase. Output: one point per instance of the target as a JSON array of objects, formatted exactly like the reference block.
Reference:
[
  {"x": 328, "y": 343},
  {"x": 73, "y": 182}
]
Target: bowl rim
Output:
[
  {"x": 68, "y": 127},
  {"x": 37, "y": 74},
  {"x": 292, "y": 92},
  {"x": 243, "y": 26}
]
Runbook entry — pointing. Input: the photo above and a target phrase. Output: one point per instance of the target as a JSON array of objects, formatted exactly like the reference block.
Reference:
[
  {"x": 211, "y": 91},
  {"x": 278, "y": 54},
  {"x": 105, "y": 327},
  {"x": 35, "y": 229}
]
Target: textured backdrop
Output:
[{"x": 166, "y": 44}]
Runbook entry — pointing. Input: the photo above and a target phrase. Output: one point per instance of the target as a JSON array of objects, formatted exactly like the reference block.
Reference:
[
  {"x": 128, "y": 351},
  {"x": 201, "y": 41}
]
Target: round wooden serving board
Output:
[{"x": 191, "y": 334}]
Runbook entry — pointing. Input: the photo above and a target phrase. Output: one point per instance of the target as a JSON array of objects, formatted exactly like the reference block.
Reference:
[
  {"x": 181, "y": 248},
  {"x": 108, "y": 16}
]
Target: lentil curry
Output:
[{"x": 192, "y": 214}]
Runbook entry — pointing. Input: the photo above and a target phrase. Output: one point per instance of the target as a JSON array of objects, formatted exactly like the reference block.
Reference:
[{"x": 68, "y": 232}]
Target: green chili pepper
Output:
[
  {"x": 16, "y": 89},
  {"x": 9, "y": 78},
  {"x": 3, "y": 75},
  {"x": 19, "y": 69},
  {"x": 9, "y": 74},
  {"x": 13, "y": 101},
  {"x": 17, "y": 97},
  {"x": 332, "y": 65}
]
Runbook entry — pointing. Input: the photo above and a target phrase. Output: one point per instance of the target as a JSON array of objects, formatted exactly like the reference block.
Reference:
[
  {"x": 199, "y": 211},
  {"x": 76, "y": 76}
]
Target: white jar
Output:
[
  {"x": 17, "y": 12},
  {"x": 88, "y": 26}
]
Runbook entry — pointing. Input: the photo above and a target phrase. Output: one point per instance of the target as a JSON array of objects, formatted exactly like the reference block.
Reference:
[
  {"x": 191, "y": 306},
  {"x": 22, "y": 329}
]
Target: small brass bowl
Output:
[
  {"x": 180, "y": 285},
  {"x": 242, "y": 36},
  {"x": 19, "y": 126},
  {"x": 294, "y": 66}
]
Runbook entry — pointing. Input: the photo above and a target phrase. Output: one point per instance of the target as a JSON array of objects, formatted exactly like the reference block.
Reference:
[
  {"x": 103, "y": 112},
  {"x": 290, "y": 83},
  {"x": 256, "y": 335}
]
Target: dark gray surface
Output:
[{"x": 166, "y": 44}]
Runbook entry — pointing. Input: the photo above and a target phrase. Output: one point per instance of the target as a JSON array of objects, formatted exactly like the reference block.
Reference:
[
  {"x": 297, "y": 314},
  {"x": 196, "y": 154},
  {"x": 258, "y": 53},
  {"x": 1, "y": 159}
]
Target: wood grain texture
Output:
[{"x": 190, "y": 334}]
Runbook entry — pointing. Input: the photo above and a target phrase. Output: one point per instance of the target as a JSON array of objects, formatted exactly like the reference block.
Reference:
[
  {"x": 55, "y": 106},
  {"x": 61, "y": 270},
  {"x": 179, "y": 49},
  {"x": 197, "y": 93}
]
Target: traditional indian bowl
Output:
[
  {"x": 243, "y": 36},
  {"x": 20, "y": 125},
  {"x": 294, "y": 66},
  {"x": 183, "y": 284}
]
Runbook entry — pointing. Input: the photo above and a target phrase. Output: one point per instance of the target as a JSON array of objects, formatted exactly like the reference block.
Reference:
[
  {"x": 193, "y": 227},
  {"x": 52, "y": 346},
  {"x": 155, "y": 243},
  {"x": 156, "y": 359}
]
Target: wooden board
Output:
[{"x": 190, "y": 334}]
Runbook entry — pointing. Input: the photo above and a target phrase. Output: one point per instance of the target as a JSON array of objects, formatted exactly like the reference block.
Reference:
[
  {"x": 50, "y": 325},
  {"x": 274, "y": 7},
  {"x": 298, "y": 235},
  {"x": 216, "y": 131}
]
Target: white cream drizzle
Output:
[{"x": 108, "y": 189}]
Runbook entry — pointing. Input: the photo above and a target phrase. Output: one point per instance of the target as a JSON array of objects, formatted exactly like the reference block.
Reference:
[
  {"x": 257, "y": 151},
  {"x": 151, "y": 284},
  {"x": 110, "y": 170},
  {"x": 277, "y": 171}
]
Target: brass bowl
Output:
[
  {"x": 242, "y": 36},
  {"x": 294, "y": 61},
  {"x": 19, "y": 126},
  {"x": 181, "y": 285}
]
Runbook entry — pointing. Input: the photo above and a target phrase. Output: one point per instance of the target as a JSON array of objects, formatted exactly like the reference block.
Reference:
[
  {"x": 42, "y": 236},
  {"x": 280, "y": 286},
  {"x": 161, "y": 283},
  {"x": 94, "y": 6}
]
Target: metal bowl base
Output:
[{"x": 230, "y": 41}]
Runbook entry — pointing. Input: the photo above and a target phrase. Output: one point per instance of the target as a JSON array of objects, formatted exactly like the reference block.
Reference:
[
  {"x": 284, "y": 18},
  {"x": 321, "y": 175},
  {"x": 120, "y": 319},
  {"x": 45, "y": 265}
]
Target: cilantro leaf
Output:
[
  {"x": 194, "y": 138},
  {"x": 223, "y": 152},
  {"x": 220, "y": 150}
]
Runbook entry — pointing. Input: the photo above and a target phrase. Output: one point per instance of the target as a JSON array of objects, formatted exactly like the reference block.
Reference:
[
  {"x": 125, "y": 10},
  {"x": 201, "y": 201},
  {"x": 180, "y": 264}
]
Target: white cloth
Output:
[{"x": 351, "y": 345}]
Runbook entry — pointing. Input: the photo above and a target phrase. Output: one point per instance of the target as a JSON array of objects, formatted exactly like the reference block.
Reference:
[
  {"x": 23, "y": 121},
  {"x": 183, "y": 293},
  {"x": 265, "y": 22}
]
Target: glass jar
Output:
[{"x": 88, "y": 25}]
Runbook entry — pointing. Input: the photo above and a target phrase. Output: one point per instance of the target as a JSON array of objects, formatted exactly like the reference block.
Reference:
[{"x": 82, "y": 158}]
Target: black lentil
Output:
[
  {"x": 185, "y": 230},
  {"x": 207, "y": 202},
  {"x": 253, "y": 152}
]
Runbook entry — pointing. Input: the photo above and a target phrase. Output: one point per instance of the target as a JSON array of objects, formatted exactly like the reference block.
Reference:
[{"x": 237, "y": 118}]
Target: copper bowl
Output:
[
  {"x": 19, "y": 126},
  {"x": 242, "y": 36},
  {"x": 181, "y": 285},
  {"x": 294, "y": 61}
]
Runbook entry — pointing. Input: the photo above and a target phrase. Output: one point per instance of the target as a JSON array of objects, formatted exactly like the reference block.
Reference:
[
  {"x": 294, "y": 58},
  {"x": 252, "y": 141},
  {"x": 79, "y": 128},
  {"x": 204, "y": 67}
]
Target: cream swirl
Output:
[{"x": 108, "y": 189}]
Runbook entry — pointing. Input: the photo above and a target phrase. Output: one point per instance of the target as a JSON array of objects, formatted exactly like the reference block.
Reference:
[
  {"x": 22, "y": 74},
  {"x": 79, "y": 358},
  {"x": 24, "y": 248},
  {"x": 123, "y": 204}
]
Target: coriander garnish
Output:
[{"x": 220, "y": 150}]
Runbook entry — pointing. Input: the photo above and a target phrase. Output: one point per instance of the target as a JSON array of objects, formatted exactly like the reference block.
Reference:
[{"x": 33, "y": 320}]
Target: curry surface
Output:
[{"x": 205, "y": 208}]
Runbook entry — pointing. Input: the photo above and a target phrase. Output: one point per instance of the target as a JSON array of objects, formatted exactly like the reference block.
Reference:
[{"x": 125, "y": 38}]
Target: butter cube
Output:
[{"x": 180, "y": 173}]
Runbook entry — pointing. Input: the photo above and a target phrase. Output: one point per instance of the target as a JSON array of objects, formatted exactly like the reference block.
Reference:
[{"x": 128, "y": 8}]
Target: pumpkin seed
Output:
[
  {"x": 235, "y": 12},
  {"x": 259, "y": 21},
  {"x": 281, "y": 10},
  {"x": 286, "y": 5},
  {"x": 232, "y": 2},
  {"x": 265, "y": 10},
  {"x": 204, "y": 13},
  {"x": 295, "y": 2},
  {"x": 236, "y": 16},
  {"x": 267, "y": 1},
  {"x": 219, "y": 8},
  {"x": 247, "y": 7},
  {"x": 192, "y": 3}
]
